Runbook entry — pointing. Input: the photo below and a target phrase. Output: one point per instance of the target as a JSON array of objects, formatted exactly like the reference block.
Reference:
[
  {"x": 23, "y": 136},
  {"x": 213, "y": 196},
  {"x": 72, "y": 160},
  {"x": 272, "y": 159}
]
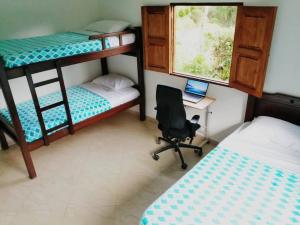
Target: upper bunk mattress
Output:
[
  {"x": 20, "y": 52},
  {"x": 83, "y": 104}
]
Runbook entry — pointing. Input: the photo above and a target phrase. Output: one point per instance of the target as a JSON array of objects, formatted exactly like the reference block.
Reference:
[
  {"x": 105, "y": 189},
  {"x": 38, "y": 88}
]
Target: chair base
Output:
[{"x": 176, "y": 145}]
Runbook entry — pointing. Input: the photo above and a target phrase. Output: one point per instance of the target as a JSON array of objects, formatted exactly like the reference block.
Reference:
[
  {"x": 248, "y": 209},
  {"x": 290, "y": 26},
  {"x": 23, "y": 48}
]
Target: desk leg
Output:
[{"x": 205, "y": 140}]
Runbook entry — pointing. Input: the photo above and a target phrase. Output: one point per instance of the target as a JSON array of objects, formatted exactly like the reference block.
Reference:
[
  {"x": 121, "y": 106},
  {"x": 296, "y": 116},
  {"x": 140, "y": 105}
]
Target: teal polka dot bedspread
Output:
[
  {"x": 20, "y": 52},
  {"x": 228, "y": 188},
  {"x": 83, "y": 105}
]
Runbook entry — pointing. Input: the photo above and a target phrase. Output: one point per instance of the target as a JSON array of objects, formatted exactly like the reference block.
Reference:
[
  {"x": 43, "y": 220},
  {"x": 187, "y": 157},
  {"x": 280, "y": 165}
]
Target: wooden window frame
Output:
[
  {"x": 173, "y": 5},
  {"x": 160, "y": 62},
  {"x": 251, "y": 47}
]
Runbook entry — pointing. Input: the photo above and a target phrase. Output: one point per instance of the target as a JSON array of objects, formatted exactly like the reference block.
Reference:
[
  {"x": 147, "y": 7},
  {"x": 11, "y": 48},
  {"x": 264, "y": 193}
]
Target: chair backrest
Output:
[{"x": 170, "y": 108}]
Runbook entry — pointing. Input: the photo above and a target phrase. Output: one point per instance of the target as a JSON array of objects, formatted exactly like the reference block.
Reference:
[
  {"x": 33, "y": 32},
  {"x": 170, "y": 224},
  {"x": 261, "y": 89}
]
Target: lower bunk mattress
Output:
[{"x": 84, "y": 101}]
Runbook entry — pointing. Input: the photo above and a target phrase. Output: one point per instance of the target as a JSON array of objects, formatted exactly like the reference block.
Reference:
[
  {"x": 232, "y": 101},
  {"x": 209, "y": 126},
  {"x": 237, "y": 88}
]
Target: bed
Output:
[
  {"x": 252, "y": 177},
  {"x": 24, "y": 57},
  {"x": 20, "y": 52},
  {"x": 85, "y": 101}
]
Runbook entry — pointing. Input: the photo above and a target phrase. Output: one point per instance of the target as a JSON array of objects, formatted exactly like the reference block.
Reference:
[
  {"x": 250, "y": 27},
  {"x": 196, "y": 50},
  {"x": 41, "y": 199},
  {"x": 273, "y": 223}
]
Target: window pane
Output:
[{"x": 204, "y": 41}]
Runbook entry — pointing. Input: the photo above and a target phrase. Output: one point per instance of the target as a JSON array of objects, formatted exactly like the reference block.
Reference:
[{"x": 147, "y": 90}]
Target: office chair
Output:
[{"x": 175, "y": 128}]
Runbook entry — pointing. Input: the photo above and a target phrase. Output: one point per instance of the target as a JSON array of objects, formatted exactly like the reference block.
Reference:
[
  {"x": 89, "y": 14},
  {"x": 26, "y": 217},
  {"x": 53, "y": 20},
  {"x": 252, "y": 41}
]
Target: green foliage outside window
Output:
[
  {"x": 223, "y": 15},
  {"x": 194, "y": 13},
  {"x": 204, "y": 40},
  {"x": 198, "y": 66},
  {"x": 223, "y": 55}
]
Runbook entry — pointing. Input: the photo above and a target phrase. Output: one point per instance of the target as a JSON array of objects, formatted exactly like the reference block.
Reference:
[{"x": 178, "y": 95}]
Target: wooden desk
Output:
[{"x": 202, "y": 105}]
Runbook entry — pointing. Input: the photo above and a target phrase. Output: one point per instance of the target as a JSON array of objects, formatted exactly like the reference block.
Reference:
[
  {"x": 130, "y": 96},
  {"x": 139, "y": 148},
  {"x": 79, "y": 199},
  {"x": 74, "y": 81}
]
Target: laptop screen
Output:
[{"x": 196, "y": 87}]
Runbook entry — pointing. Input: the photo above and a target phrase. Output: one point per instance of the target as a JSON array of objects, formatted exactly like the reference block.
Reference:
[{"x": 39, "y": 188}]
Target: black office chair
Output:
[{"x": 175, "y": 128}]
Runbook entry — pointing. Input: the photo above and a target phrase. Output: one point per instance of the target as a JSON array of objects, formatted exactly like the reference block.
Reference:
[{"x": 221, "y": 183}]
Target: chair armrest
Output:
[{"x": 195, "y": 119}]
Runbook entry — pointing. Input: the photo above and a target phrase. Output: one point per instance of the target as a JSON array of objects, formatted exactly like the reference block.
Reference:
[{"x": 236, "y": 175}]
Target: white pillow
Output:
[
  {"x": 107, "y": 26},
  {"x": 114, "y": 81},
  {"x": 270, "y": 131}
]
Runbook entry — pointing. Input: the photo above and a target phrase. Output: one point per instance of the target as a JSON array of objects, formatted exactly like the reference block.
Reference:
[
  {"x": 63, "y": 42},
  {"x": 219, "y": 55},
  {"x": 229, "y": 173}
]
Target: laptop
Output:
[{"x": 195, "y": 91}]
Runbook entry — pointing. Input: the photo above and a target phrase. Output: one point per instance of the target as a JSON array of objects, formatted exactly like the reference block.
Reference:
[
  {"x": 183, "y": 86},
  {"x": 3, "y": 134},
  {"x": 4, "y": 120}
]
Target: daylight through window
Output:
[{"x": 203, "y": 41}]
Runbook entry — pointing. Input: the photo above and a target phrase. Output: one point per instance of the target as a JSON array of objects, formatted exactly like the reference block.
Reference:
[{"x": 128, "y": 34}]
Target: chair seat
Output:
[{"x": 188, "y": 131}]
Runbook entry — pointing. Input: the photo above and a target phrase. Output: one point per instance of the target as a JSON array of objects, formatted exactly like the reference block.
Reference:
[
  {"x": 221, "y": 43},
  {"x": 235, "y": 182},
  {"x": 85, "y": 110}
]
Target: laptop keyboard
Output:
[{"x": 191, "y": 98}]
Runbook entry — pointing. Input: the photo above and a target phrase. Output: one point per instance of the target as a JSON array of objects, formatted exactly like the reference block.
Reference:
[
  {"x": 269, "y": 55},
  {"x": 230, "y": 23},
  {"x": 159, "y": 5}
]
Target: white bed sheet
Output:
[
  {"x": 126, "y": 40},
  {"x": 271, "y": 153},
  {"x": 114, "y": 40},
  {"x": 115, "y": 97}
]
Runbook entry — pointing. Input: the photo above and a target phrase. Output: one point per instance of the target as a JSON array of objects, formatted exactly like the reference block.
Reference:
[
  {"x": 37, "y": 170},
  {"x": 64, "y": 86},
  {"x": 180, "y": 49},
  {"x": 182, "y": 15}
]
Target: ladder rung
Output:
[
  {"x": 42, "y": 83},
  {"x": 40, "y": 109},
  {"x": 57, "y": 127},
  {"x": 52, "y": 106}
]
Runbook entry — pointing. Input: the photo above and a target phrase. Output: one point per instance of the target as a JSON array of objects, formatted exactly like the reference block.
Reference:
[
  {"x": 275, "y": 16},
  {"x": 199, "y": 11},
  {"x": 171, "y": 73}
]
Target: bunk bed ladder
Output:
[{"x": 40, "y": 110}]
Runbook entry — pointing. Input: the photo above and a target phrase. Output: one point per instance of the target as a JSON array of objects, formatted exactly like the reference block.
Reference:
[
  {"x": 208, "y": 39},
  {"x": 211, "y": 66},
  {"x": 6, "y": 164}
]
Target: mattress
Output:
[
  {"x": 83, "y": 105},
  {"x": 232, "y": 186},
  {"x": 20, "y": 52}
]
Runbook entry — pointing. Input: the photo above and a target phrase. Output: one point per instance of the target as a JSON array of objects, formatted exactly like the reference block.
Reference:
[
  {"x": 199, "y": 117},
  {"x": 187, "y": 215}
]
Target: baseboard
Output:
[{"x": 213, "y": 142}]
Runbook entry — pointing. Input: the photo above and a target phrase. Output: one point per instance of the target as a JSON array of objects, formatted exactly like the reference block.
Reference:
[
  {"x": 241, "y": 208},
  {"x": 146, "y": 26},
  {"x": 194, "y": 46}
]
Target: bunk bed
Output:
[{"x": 25, "y": 57}]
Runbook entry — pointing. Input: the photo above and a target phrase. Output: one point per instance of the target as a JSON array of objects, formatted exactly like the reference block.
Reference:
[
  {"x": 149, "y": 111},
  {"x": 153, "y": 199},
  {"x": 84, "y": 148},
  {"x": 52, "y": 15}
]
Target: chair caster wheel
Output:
[
  {"x": 155, "y": 157},
  {"x": 184, "y": 166},
  {"x": 157, "y": 140},
  {"x": 198, "y": 152}
]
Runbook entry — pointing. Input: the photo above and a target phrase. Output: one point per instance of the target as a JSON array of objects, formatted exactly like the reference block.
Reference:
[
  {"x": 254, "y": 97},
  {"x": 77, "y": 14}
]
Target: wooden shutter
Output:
[
  {"x": 252, "y": 42},
  {"x": 156, "y": 35}
]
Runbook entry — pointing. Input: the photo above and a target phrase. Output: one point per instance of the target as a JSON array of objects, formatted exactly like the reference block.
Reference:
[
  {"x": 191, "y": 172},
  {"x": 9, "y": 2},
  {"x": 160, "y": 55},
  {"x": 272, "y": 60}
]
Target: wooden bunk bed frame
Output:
[{"x": 16, "y": 131}]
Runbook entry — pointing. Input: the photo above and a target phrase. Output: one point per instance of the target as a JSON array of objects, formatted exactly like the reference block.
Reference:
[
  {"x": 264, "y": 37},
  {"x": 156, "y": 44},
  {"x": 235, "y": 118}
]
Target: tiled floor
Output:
[{"x": 104, "y": 174}]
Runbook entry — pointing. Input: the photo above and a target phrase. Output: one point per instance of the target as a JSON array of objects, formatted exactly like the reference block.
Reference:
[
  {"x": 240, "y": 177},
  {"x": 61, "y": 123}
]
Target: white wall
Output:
[
  {"x": 228, "y": 110},
  {"x": 19, "y": 19}
]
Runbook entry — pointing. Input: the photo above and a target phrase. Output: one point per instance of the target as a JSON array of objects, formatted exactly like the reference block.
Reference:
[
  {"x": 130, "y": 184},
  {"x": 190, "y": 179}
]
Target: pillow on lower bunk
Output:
[
  {"x": 107, "y": 26},
  {"x": 114, "y": 81}
]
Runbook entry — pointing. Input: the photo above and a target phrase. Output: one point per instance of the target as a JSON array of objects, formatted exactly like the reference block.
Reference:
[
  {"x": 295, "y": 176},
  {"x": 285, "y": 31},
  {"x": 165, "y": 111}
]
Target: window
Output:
[
  {"x": 225, "y": 44},
  {"x": 203, "y": 40}
]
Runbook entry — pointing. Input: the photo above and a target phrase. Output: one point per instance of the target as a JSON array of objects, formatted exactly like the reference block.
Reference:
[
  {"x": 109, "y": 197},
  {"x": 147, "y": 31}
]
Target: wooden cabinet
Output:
[
  {"x": 157, "y": 36},
  {"x": 252, "y": 42}
]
